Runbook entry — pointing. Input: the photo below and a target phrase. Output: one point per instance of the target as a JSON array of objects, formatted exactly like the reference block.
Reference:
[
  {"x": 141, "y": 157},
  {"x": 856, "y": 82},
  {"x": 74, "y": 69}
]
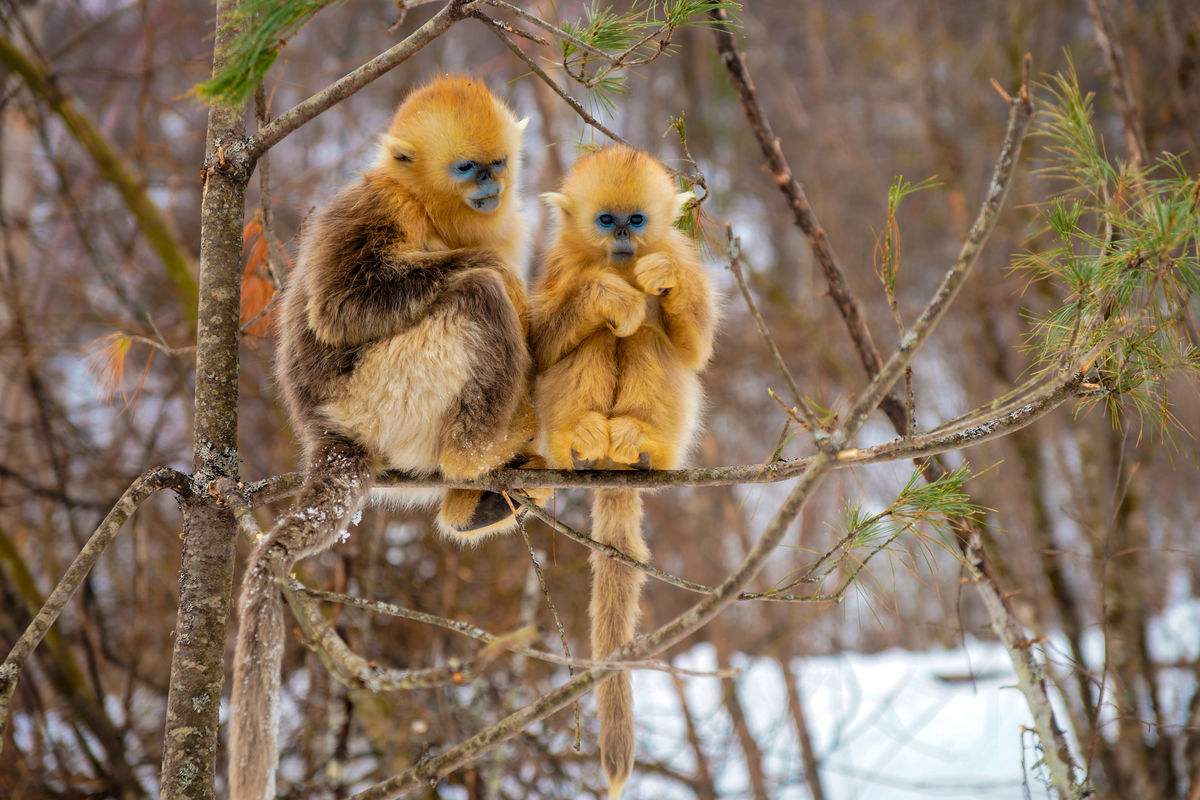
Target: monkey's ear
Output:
[
  {"x": 523, "y": 124},
  {"x": 681, "y": 201},
  {"x": 396, "y": 148},
  {"x": 558, "y": 200}
]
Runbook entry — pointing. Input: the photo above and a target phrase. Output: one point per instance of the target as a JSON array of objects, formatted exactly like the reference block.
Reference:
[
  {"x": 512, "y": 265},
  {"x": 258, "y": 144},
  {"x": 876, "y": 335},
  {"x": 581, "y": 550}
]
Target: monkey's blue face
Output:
[
  {"x": 481, "y": 182},
  {"x": 619, "y": 228}
]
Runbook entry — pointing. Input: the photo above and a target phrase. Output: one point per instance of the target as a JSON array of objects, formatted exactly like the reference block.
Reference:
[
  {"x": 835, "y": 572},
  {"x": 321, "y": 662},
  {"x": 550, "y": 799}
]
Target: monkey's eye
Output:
[
  {"x": 499, "y": 164},
  {"x": 605, "y": 220},
  {"x": 637, "y": 220},
  {"x": 463, "y": 167}
]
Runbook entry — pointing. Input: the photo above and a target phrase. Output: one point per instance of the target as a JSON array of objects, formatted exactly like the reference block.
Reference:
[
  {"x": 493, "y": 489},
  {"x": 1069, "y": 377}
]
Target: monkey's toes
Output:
[
  {"x": 589, "y": 441},
  {"x": 627, "y": 442}
]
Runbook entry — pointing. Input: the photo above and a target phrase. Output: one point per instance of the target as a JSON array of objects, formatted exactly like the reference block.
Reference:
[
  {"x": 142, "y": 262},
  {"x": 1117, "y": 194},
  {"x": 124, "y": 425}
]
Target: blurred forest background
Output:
[{"x": 1091, "y": 526}]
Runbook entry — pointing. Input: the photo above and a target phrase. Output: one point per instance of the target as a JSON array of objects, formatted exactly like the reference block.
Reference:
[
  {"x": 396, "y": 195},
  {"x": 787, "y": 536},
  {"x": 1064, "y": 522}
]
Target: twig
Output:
[
  {"x": 274, "y": 131},
  {"x": 541, "y": 73},
  {"x": 734, "y": 253},
  {"x": 479, "y": 634},
  {"x": 802, "y": 211},
  {"x": 653, "y": 571},
  {"x": 1118, "y": 69},
  {"x": 515, "y": 31},
  {"x": 150, "y": 482},
  {"x": 558, "y": 624},
  {"x": 534, "y": 19}
]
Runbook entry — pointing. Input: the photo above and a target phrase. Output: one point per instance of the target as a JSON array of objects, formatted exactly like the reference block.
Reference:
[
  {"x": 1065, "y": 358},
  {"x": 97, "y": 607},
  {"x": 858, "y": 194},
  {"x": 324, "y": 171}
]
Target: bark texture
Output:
[{"x": 209, "y": 531}]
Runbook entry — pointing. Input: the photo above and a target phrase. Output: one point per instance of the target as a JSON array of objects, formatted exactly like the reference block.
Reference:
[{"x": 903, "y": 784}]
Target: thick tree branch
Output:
[
  {"x": 209, "y": 532},
  {"x": 151, "y": 221},
  {"x": 150, "y": 482}
]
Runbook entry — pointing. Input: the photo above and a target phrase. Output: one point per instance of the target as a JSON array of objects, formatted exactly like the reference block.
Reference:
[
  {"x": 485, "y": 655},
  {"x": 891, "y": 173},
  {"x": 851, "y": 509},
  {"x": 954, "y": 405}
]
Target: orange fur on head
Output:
[
  {"x": 453, "y": 117},
  {"x": 618, "y": 179}
]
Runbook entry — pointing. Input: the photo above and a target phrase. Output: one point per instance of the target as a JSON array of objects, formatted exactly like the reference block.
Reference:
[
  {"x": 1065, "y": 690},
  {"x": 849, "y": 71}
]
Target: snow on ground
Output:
[{"x": 889, "y": 726}]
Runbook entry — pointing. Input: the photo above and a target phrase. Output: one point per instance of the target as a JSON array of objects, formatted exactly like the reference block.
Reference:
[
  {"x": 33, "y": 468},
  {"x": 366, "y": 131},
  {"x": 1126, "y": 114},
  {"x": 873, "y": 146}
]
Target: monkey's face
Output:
[
  {"x": 617, "y": 203},
  {"x": 454, "y": 144},
  {"x": 618, "y": 230},
  {"x": 480, "y": 181}
]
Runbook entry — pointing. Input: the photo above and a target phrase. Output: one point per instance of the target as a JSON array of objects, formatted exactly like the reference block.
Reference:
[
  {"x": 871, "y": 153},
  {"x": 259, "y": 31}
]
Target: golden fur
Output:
[{"x": 618, "y": 343}]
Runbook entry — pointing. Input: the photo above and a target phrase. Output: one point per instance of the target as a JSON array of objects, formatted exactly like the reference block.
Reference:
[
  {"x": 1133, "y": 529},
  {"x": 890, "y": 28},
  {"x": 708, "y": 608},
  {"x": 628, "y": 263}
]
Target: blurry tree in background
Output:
[{"x": 848, "y": 173}]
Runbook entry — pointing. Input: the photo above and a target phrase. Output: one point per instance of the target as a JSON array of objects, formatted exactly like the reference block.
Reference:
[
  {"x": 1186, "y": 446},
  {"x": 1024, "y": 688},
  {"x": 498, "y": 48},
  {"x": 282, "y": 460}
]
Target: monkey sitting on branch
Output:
[
  {"x": 621, "y": 323},
  {"x": 403, "y": 346}
]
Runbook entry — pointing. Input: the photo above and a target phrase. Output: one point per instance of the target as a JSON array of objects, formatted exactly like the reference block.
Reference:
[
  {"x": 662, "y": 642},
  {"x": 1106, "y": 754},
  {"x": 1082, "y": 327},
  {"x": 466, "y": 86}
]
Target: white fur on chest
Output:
[{"x": 397, "y": 398}]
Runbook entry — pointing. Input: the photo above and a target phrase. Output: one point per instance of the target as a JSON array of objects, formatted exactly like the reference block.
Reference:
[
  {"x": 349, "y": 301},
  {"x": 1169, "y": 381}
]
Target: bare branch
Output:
[
  {"x": 150, "y": 482},
  {"x": 541, "y": 73},
  {"x": 734, "y": 252},
  {"x": 466, "y": 629},
  {"x": 1118, "y": 70},
  {"x": 802, "y": 211},
  {"x": 274, "y": 131}
]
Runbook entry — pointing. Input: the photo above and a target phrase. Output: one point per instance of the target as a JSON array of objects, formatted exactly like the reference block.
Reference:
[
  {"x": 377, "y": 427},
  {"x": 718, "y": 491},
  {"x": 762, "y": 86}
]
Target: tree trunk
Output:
[{"x": 206, "y": 569}]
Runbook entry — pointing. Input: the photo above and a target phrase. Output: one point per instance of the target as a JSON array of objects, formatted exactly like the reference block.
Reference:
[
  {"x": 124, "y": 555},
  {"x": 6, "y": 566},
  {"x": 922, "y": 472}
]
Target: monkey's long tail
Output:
[
  {"x": 616, "y": 588},
  {"x": 338, "y": 480}
]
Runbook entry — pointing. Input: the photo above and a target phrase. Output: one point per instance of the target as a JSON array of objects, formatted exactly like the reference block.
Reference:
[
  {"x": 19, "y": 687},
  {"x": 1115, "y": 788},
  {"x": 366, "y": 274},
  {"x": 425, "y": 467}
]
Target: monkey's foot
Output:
[
  {"x": 472, "y": 514},
  {"x": 589, "y": 443},
  {"x": 628, "y": 443}
]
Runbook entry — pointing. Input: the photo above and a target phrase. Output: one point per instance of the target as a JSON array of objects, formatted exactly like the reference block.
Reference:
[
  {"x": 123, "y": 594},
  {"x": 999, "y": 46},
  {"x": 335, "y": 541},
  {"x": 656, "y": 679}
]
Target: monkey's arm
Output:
[
  {"x": 566, "y": 312},
  {"x": 689, "y": 313},
  {"x": 377, "y": 295}
]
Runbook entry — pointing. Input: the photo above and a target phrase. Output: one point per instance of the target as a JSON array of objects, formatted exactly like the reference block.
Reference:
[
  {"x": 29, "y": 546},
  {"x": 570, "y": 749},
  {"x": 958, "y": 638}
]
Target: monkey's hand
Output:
[
  {"x": 655, "y": 274},
  {"x": 622, "y": 307}
]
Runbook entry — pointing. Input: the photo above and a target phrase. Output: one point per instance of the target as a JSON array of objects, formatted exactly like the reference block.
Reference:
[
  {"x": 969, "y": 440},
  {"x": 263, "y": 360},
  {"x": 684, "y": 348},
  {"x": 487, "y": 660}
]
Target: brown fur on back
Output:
[{"x": 402, "y": 344}]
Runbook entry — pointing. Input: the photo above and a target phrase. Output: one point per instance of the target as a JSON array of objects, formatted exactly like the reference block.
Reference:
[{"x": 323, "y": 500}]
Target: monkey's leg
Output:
[
  {"x": 338, "y": 477},
  {"x": 492, "y": 419},
  {"x": 574, "y": 398},
  {"x": 478, "y": 433},
  {"x": 644, "y": 429}
]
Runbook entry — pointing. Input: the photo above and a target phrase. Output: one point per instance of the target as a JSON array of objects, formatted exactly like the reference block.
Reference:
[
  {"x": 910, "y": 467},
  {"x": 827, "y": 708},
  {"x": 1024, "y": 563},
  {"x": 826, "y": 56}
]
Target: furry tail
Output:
[
  {"x": 616, "y": 588},
  {"x": 339, "y": 475},
  {"x": 254, "y": 718}
]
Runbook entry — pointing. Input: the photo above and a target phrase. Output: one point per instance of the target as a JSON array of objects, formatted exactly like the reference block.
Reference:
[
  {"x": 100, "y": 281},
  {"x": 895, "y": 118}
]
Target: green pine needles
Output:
[
  {"x": 1119, "y": 242},
  {"x": 267, "y": 26}
]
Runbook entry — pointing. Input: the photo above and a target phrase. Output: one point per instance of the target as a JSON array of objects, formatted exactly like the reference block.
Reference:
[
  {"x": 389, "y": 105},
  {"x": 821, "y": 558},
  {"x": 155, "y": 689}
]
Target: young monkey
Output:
[
  {"x": 621, "y": 322},
  {"x": 402, "y": 346}
]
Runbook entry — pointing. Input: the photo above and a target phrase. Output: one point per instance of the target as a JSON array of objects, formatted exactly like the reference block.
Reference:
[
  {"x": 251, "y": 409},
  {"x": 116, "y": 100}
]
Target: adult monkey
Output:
[{"x": 402, "y": 347}]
